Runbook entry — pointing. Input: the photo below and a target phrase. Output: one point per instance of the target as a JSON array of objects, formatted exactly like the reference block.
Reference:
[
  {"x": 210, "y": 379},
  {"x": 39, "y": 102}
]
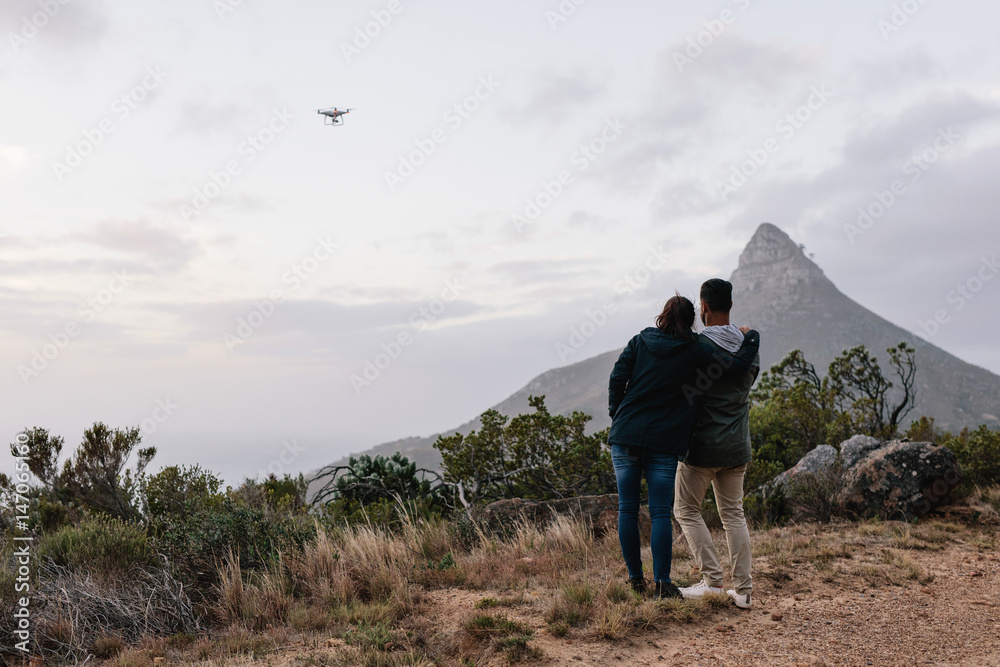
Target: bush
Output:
[
  {"x": 198, "y": 542},
  {"x": 177, "y": 492},
  {"x": 770, "y": 509},
  {"x": 813, "y": 496},
  {"x": 99, "y": 545},
  {"x": 537, "y": 456},
  {"x": 978, "y": 453}
]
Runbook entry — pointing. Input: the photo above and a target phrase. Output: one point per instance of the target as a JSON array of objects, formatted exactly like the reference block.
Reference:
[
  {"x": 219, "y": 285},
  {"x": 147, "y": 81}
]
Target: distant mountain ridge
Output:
[{"x": 787, "y": 297}]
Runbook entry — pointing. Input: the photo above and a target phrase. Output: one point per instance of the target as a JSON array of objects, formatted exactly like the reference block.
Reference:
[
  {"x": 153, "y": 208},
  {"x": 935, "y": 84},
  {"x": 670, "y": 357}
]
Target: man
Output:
[{"x": 719, "y": 454}]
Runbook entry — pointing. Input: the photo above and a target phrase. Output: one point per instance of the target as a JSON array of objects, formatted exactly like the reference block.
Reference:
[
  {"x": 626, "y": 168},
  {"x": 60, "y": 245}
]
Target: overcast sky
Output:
[{"x": 186, "y": 246}]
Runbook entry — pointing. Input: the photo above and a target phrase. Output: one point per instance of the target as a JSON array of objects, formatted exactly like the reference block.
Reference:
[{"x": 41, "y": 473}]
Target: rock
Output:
[
  {"x": 776, "y": 616},
  {"x": 899, "y": 480},
  {"x": 854, "y": 449},
  {"x": 817, "y": 460},
  {"x": 599, "y": 512}
]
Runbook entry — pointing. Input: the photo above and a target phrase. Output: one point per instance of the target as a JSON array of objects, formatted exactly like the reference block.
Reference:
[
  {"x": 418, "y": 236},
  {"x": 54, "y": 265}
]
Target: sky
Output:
[{"x": 187, "y": 248}]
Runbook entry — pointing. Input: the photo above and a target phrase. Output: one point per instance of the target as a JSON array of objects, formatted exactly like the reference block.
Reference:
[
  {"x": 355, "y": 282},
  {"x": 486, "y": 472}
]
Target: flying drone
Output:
[{"x": 333, "y": 116}]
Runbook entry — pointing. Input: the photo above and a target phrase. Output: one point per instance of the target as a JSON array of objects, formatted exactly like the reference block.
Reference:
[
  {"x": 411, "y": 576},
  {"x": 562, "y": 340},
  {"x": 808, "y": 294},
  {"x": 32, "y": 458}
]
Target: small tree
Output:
[
  {"x": 97, "y": 473},
  {"x": 796, "y": 408},
  {"x": 538, "y": 456},
  {"x": 863, "y": 391}
]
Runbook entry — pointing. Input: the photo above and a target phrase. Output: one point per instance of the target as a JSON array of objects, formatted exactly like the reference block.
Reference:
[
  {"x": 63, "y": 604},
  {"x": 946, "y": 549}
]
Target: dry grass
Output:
[{"x": 370, "y": 591}]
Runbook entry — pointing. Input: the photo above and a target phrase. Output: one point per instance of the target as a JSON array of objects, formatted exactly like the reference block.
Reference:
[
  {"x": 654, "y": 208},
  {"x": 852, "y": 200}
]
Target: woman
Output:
[{"x": 652, "y": 400}]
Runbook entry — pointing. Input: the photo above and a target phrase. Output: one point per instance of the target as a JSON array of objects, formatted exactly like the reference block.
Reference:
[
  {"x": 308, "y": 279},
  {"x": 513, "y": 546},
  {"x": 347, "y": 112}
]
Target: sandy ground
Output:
[{"x": 952, "y": 620}]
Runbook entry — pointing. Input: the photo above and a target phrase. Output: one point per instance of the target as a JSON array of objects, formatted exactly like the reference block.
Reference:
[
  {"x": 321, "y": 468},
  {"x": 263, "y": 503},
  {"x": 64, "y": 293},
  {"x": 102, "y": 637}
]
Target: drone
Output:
[{"x": 333, "y": 116}]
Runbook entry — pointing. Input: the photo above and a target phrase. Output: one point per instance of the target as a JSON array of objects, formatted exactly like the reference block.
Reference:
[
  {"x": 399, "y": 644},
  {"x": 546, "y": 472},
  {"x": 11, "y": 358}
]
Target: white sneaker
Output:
[
  {"x": 699, "y": 590},
  {"x": 741, "y": 601}
]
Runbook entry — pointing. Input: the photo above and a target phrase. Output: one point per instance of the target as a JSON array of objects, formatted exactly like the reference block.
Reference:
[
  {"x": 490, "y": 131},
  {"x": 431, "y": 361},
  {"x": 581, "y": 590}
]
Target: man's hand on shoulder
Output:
[{"x": 745, "y": 330}]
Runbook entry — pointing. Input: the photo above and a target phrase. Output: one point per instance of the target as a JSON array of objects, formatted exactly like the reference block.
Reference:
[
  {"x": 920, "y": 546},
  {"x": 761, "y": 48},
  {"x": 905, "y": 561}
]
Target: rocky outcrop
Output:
[
  {"x": 599, "y": 512},
  {"x": 869, "y": 478},
  {"x": 816, "y": 461},
  {"x": 899, "y": 480}
]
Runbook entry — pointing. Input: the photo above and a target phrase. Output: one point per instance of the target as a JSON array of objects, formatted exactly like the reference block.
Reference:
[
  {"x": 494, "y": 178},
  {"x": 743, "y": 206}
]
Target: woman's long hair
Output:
[{"x": 677, "y": 317}]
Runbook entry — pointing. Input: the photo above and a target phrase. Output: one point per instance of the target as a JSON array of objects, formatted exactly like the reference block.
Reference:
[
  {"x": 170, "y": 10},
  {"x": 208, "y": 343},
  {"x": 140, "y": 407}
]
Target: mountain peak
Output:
[{"x": 773, "y": 258}]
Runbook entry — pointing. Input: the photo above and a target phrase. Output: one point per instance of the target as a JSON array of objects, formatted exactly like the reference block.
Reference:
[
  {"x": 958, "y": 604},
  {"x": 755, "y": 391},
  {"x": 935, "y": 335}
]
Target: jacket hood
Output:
[{"x": 662, "y": 344}]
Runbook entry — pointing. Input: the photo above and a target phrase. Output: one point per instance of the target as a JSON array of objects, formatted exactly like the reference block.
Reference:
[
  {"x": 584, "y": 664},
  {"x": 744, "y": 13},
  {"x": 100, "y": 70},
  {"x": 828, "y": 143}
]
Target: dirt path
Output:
[{"x": 952, "y": 618}]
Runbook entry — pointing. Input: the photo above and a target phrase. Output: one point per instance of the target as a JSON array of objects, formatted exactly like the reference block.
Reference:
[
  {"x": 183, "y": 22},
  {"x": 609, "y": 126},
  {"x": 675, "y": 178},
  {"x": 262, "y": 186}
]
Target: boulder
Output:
[
  {"x": 899, "y": 480},
  {"x": 599, "y": 512},
  {"x": 817, "y": 460},
  {"x": 854, "y": 449}
]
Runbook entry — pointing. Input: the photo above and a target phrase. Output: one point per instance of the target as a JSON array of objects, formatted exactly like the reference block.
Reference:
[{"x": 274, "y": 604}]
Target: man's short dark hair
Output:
[{"x": 718, "y": 294}]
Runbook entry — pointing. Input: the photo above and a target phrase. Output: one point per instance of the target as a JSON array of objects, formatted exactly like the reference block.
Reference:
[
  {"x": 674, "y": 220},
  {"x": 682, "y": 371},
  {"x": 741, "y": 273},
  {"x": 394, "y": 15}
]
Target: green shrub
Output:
[
  {"x": 178, "y": 492},
  {"x": 100, "y": 544},
  {"x": 197, "y": 543},
  {"x": 813, "y": 496},
  {"x": 978, "y": 453}
]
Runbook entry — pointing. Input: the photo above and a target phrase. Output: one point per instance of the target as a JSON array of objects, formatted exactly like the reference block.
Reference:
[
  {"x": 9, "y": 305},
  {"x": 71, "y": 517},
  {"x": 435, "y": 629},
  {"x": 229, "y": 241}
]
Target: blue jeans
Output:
[{"x": 660, "y": 469}]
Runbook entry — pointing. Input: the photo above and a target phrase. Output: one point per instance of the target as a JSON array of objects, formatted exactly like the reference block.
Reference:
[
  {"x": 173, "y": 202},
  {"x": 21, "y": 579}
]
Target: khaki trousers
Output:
[{"x": 691, "y": 487}]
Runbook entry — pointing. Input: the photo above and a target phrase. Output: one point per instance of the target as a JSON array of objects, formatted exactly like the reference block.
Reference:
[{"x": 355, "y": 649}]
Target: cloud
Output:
[
  {"x": 736, "y": 64},
  {"x": 690, "y": 111},
  {"x": 160, "y": 249},
  {"x": 553, "y": 96},
  {"x": 533, "y": 272},
  {"x": 895, "y": 73},
  {"x": 893, "y": 139},
  {"x": 67, "y": 28}
]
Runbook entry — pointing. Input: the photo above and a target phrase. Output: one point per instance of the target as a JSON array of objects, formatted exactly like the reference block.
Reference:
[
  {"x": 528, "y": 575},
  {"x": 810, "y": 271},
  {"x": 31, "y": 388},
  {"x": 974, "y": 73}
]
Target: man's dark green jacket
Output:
[
  {"x": 722, "y": 426},
  {"x": 652, "y": 394}
]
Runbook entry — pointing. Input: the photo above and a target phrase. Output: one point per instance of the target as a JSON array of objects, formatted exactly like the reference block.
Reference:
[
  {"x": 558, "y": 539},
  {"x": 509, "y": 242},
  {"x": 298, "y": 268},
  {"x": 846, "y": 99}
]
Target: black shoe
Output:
[
  {"x": 666, "y": 589},
  {"x": 638, "y": 585}
]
